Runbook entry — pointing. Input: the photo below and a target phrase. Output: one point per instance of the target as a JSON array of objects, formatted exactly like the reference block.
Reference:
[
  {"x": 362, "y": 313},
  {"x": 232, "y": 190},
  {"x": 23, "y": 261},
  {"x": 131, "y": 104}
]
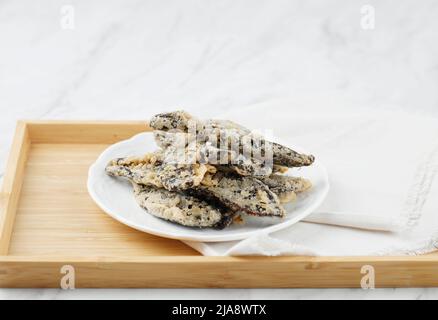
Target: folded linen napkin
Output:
[{"x": 382, "y": 166}]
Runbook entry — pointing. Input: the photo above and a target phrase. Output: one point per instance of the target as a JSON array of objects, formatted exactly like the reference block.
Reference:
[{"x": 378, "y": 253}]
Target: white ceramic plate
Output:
[{"x": 115, "y": 197}]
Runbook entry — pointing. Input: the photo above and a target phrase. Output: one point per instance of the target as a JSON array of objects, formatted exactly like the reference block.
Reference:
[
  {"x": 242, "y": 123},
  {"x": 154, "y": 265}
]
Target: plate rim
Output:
[{"x": 201, "y": 238}]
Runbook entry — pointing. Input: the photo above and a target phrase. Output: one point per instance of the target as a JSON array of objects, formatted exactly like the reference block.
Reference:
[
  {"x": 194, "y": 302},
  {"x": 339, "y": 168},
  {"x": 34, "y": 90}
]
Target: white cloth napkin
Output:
[{"x": 382, "y": 167}]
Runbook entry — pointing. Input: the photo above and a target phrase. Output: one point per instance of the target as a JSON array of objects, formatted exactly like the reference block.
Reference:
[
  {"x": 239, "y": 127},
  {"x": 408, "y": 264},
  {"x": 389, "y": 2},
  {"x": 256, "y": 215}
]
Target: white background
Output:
[{"x": 131, "y": 59}]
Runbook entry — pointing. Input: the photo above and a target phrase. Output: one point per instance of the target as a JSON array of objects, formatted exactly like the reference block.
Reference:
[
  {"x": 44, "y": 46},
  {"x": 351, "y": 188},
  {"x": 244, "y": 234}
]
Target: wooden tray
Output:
[{"x": 48, "y": 221}]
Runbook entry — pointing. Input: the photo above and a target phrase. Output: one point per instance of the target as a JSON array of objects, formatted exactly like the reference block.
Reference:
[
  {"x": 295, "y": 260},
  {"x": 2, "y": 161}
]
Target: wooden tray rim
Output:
[{"x": 28, "y": 132}]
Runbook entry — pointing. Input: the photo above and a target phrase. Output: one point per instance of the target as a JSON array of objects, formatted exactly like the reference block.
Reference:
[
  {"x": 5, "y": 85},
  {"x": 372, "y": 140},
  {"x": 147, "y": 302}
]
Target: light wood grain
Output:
[
  {"x": 12, "y": 184},
  {"x": 84, "y": 131},
  {"x": 48, "y": 220},
  {"x": 218, "y": 272},
  {"x": 56, "y": 215}
]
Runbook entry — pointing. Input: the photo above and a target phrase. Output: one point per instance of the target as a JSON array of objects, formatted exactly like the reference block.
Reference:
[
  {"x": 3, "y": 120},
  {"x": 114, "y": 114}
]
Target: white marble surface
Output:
[{"x": 131, "y": 59}]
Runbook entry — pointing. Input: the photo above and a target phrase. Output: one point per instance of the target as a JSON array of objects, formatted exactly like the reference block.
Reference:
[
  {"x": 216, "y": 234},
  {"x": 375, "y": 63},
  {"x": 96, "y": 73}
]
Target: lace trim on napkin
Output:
[
  {"x": 420, "y": 189},
  {"x": 418, "y": 194}
]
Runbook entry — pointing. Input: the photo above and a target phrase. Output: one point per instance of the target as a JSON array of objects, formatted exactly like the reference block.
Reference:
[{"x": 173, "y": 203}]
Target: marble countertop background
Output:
[{"x": 70, "y": 59}]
